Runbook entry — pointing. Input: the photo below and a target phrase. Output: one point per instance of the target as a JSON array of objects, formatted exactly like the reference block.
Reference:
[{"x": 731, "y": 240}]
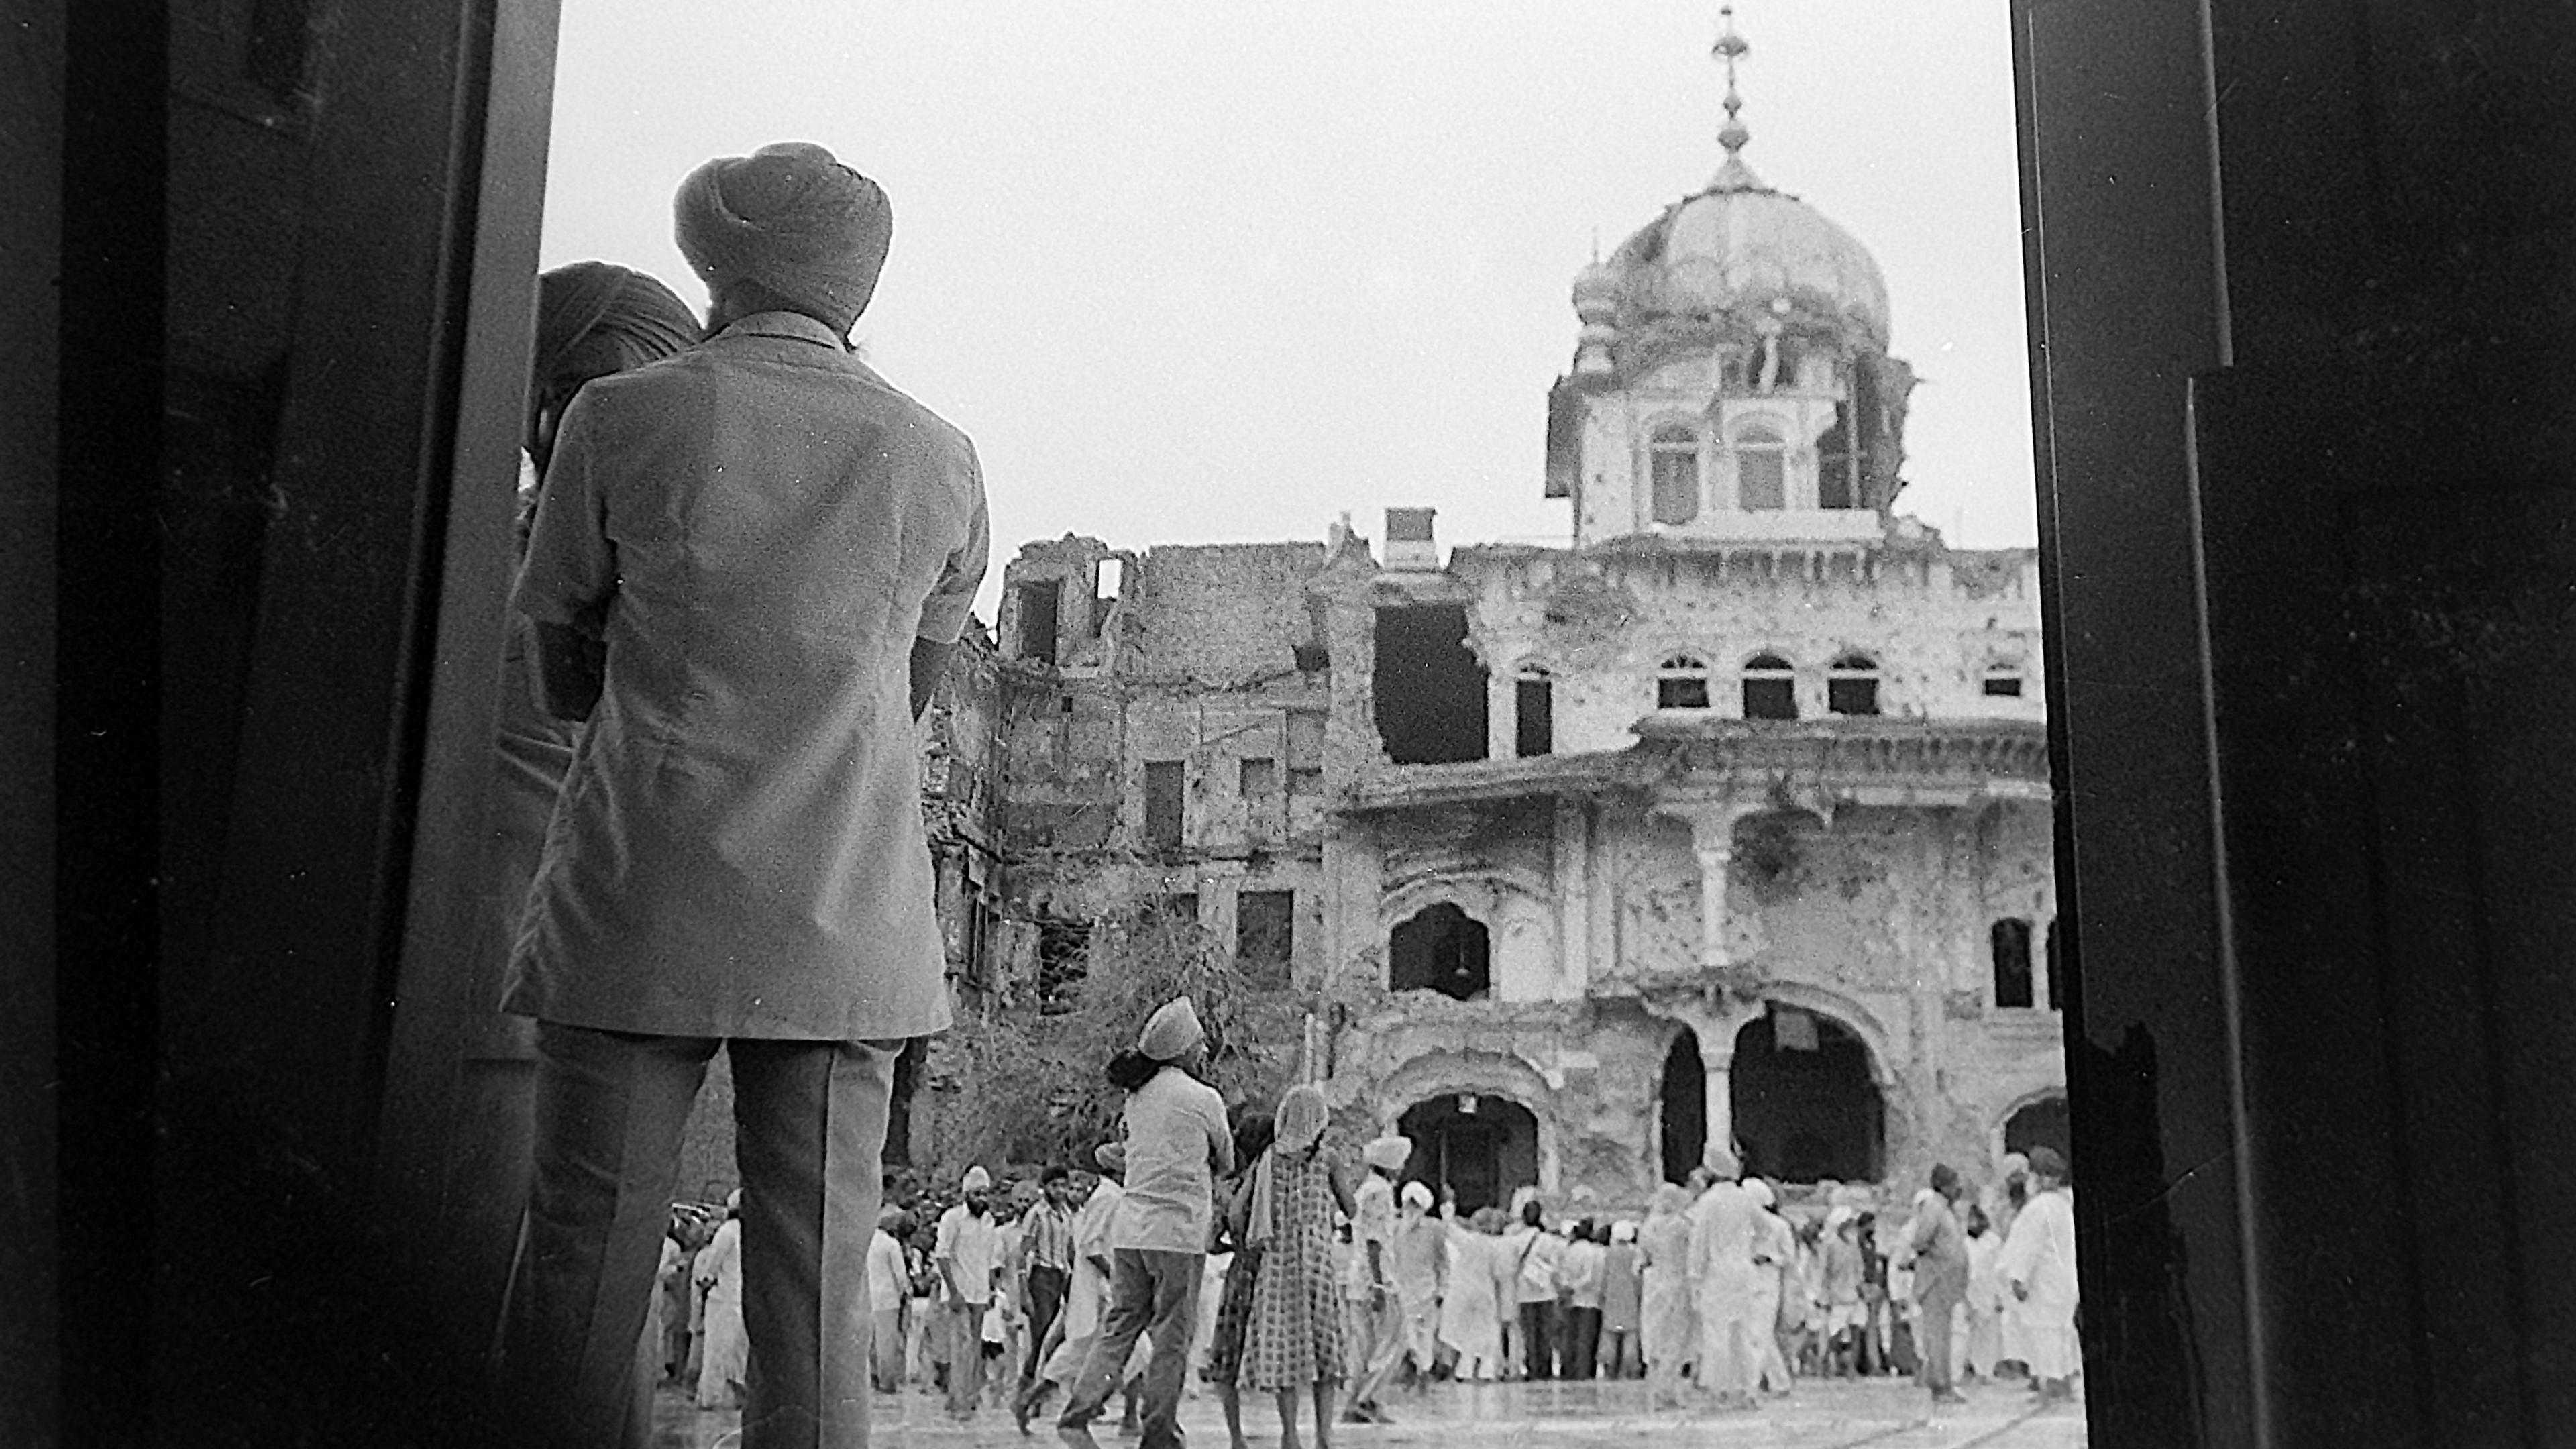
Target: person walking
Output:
[
  {"x": 725, "y": 1364},
  {"x": 1775, "y": 1252},
  {"x": 749, "y": 566},
  {"x": 1987, "y": 1297},
  {"x": 1380, "y": 1350},
  {"x": 969, "y": 1259},
  {"x": 1086, "y": 1302},
  {"x": 889, "y": 1287},
  {"x": 1668, "y": 1323},
  {"x": 1619, "y": 1302},
  {"x": 1046, "y": 1258},
  {"x": 1723, "y": 1283},
  {"x": 1178, "y": 1146},
  {"x": 1420, "y": 1255},
  {"x": 1940, "y": 1253},
  {"x": 1252, "y": 1139},
  {"x": 2038, "y": 1266},
  {"x": 1293, "y": 1345},
  {"x": 1475, "y": 1303}
]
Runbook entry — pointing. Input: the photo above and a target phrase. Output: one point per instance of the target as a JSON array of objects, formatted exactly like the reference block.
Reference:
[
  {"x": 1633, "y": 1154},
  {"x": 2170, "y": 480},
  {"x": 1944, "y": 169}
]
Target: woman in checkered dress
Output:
[
  {"x": 1294, "y": 1340},
  {"x": 1242, "y": 1271}
]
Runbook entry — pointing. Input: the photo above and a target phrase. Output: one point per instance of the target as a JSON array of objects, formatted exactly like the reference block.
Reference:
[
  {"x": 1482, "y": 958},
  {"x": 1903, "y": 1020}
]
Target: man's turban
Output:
[
  {"x": 1720, "y": 1163},
  {"x": 977, "y": 1180},
  {"x": 1112, "y": 1156},
  {"x": 602, "y": 299},
  {"x": 1171, "y": 1031},
  {"x": 1388, "y": 1154},
  {"x": 791, "y": 218}
]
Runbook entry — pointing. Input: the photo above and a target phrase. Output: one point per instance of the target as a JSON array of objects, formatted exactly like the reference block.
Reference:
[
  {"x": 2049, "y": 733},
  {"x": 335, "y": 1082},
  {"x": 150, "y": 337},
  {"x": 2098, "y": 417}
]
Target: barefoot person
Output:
[
  {"x": 1294, "y": 1346},
  {"x": 1177, "y": 1147},
  {"x": 750, "y": 564}
]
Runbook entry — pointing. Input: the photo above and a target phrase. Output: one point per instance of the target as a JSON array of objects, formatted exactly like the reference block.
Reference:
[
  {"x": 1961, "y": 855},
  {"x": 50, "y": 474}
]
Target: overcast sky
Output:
[{"x": 1209, "y": 271}]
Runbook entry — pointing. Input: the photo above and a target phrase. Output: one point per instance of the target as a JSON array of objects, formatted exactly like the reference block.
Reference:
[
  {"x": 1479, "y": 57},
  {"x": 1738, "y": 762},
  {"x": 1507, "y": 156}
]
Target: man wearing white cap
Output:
[
  {"x": 969, "y": 1259},
  {"x": 749, "y": 566},
  {"x": 1724, "y": 1223},
  {"x": 1381, "y": 1344},
  {"x": 1178, "y": 1145},
  {"x": 1421, "y": 1258}
]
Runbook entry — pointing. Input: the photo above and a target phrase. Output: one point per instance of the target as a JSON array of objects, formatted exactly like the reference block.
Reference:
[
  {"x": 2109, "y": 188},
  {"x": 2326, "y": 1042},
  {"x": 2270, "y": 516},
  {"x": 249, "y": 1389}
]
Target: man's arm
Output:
[{"x": 568, "y": 578}]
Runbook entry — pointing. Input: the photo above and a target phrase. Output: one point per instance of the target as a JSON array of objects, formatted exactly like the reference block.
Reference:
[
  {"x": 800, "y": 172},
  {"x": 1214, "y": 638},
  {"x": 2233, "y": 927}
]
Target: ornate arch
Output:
[
  {"x": 1469, "y": 891},
  {"x": 1445, "y": 1073},
  {"x": 1844, "y": 1012}
]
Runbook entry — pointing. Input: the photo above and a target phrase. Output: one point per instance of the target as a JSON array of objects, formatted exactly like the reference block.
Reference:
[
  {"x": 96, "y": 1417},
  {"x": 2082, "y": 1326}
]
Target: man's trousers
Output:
[
  {"x": 1045, "y": 1290},
  {"x": 809, "y": 1123},
  {"x": 1150, "y": 1292}
]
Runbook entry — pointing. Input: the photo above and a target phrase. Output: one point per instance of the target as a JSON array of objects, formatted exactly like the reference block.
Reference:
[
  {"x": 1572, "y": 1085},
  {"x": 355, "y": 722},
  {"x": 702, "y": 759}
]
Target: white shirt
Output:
[
  {"x": 888, "y": 1283},
  {"x": 2041, "y": 1250},
  {"x": 972, "y": 1247},
  {"x": 720, "y": 1265},
  {"x": 1177, "y": 1147}
]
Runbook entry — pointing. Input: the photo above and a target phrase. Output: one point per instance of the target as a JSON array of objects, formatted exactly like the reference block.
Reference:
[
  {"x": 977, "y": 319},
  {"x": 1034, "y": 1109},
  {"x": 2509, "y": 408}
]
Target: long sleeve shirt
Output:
[{"x": 1177, "y": 1147}]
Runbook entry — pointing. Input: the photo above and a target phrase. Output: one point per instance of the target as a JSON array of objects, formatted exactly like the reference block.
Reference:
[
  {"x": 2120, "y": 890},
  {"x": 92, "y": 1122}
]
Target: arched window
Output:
[
  {"x": 1533, "y": 712},
  {"x": 1761, "y": 470},
  {"x": 1852, "y": 686},
  {"x": 1681, "y": 682},
  {"x": 2009, "y": 939},
  {"x": 1674, "y": 468},
  {"x": 2003, "y": 681},
  {"x": 1770, "y": 688},
  {"x": 1442, "y": 949}
]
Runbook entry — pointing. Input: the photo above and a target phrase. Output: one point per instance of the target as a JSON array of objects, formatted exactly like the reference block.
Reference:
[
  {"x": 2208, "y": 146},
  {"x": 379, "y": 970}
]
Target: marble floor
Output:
[{"x": 1820, "y": 1414}]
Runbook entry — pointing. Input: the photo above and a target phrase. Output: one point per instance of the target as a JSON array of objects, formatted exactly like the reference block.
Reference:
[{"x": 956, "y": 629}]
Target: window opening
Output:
[
  {"x": 1166, "y": 812},
  {"x": 1533, "y": 713},
  {"x": 1430, "y": 689},
  {"x": 2009, "y": 941},
  {"x": 1681, "y": 682},
  {"x": 1482, "y": 1147},
  {"x": 1038, "y": 621},
  {"x": 1761, "y": 470},
  {"x": 1440, "y": 949},
  {"x": 2003, "y": 682},
  {"x": 1770, "y": 688},
  {"x": 1265, "y": 936},
  {"x": 1063, "y": 957},
  {"x": 1259, "y": 779},
  {"x": 1684, "y": 1094},
  {"x": 1837, "y": 465},
  {"x": 1852, "y": 687},
  {"x": 1674, "y": 469}
]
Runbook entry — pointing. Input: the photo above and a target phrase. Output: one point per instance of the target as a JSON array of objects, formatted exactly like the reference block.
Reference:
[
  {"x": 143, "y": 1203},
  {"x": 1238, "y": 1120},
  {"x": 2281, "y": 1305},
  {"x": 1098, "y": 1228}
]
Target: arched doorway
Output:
[
  {"x": 1685, "y": 1107},
  {"x": 1484, "y": 1147},
  {"x": 2039, "y": 1124},
  {"x": 1806, "y": 1106}
]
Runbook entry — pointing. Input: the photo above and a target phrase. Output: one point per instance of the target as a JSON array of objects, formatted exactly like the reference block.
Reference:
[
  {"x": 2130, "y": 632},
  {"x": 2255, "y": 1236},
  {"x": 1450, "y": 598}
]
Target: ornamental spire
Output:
[{"x": 1730, "y": 47}]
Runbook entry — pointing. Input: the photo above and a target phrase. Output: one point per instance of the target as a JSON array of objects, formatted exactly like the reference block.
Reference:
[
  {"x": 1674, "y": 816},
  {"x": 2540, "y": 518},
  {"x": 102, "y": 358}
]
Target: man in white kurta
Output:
[
  {"x": 2038, "y": 1267},
  {"x": 749, "y": 565},
  {"x": 1724, "y": 1224}
]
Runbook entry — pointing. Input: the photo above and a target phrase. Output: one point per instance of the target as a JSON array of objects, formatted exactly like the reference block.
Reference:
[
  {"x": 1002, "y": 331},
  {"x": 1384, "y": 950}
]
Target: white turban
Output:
[
  {"x": 733, "y": 1200},
  {"x": 1388, "y": 1154},
  {"x": 1758, "y": 1190},
  {"x": 1417, "y": 1194},
  {"x": 977, "y": 1180},
  {"x": 1720, "y": 1162},
  {"x": 1623, "y": 1231},
  {"x": 1171, "y": 1031},
  {"x": 792, "y": 218}
]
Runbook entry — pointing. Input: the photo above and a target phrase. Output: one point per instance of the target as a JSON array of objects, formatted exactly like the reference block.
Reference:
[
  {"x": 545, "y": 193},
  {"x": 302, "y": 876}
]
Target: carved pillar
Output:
[
  {"x": 1712, "y": 824},
  {"x": 1717, "y": 1076}
]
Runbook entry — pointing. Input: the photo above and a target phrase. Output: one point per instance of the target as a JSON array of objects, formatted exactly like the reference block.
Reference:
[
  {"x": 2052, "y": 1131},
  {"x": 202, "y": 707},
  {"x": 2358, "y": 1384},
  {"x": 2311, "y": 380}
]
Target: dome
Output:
[{"x": 1740, "y": 245}]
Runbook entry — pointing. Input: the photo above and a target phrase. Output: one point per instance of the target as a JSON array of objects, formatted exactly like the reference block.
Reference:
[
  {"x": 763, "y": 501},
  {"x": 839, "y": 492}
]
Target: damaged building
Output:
[{"x": 1728, "y": 821}]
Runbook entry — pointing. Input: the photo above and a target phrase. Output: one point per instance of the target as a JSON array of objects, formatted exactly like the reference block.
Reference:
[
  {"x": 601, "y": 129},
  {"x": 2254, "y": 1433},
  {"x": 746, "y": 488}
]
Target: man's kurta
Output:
[{"x": 738, "y": 850}]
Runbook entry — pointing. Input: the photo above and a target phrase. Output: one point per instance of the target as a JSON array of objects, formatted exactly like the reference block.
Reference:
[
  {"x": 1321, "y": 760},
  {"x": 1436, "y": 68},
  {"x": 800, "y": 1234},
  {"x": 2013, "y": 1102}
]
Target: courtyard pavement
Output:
[{"x": 1820, "y": 1414}]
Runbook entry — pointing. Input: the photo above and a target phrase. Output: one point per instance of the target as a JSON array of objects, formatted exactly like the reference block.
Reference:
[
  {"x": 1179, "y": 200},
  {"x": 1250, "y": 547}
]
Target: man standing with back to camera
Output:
[{"x": 748, "y": 571}]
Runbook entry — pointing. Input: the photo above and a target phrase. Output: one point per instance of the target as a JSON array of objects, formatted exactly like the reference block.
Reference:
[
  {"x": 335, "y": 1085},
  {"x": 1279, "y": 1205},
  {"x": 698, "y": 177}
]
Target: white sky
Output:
[{"x": 1211, "y": 271}]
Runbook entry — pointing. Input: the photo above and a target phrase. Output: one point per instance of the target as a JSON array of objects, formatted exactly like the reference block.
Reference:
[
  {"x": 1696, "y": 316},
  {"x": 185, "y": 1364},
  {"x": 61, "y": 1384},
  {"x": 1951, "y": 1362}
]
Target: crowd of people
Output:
[{"x": 1337, "y": 1287}]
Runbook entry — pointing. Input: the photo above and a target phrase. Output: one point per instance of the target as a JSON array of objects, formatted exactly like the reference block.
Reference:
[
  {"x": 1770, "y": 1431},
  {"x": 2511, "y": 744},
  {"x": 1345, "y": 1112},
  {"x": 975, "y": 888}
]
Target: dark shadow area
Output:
[
  {"x": 1683, "y": 1093},
  {"x": 1805, "y": 1106},
  {"x": 1441, "y": 948},
  {"x": 1484, "y": 1147},
  {"x": 1429, "y": 687}
]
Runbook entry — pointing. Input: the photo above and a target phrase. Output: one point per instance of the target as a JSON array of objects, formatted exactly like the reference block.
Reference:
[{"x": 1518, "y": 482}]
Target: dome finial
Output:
[{"x": 1730, "y": 46}]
